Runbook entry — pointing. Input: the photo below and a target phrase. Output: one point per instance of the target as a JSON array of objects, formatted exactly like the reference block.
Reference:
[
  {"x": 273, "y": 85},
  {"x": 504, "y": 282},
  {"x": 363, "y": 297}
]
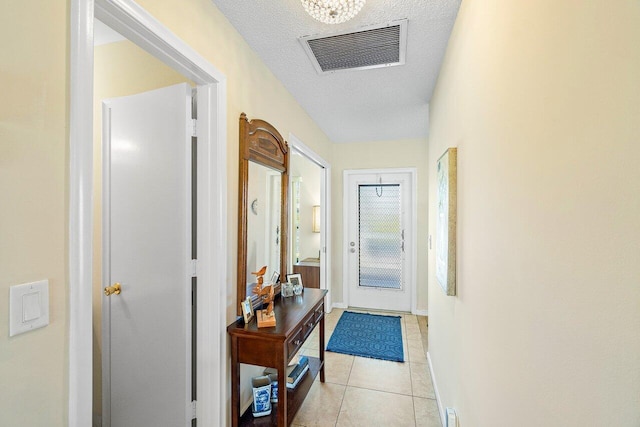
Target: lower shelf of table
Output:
[{"x": 295, "y": 397}]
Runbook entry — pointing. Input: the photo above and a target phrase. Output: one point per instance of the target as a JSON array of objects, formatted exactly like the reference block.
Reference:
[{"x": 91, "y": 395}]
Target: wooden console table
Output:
[{"x": 274, "y": 347}]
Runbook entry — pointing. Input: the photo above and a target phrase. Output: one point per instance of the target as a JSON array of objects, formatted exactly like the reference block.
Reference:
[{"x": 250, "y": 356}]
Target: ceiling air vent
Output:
[{"x": 369, "y": 47}]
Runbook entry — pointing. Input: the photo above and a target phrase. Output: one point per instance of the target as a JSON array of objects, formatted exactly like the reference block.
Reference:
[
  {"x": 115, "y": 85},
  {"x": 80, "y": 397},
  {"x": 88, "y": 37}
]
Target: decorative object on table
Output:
[
  {"x": 296, "y": 281},
  {"x": 266, "y": 317},
  {"x": 261, "y": 396},
  {"x": 368, "y": 335},
  {"x": 446, "y": 218},
  {"x": 287, "y": 289},
  {"x": 273, "y": 376},
  {"x": 247, "y": 310},
  {"x": 275, "y": 277}
]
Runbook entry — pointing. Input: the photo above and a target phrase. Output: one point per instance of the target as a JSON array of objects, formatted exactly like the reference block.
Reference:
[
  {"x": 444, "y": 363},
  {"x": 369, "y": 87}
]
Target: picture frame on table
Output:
[
  {"x": 275, "y": 277},
  {"x": 296, "y": 281},
  {"x": 247, "y": 310}
]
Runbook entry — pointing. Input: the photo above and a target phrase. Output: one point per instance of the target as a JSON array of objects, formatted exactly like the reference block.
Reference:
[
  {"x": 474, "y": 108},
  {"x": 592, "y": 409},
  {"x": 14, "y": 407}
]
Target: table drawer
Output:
[
  {"x": 295, "y": 342},
  {"x": 318, "y": 313},
  {"x": 308, "y": 324}
]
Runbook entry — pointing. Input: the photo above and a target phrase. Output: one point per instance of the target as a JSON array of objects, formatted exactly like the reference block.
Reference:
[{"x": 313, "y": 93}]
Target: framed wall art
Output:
[{"x": 446, "y": 220}]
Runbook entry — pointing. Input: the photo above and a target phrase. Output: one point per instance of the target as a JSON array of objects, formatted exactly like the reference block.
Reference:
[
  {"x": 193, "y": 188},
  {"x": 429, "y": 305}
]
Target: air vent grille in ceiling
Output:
[{"x": 371, "y": 47}]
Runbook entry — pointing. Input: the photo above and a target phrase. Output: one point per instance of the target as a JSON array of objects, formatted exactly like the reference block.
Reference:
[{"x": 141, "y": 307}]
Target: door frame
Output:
[
  {"x": 413, "y": 220},
  {"x": 325, "y": 214},
  {"x": 135, "y": 23}
]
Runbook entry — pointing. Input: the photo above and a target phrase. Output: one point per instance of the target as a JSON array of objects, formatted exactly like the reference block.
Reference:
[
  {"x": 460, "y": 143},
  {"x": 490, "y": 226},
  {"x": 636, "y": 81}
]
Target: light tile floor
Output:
[{"x": 359, "y": 391}]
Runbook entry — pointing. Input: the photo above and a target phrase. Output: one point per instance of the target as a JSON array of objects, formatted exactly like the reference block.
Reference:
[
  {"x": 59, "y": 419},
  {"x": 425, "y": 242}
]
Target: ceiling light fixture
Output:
[{"x": 333, "y": 11}]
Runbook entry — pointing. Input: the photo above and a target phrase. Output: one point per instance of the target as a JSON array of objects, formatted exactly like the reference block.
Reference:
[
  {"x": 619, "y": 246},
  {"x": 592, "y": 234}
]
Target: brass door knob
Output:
[{"x": 115, "y": 289}]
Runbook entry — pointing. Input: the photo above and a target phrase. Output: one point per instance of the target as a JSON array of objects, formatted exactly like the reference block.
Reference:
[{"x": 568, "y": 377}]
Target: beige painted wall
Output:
[
  {"x": 375, "y": 155},
  {"x": 33, "y": 207},
  {"x": 120, "y": 69},
  {"x": 542, "y": 100}
]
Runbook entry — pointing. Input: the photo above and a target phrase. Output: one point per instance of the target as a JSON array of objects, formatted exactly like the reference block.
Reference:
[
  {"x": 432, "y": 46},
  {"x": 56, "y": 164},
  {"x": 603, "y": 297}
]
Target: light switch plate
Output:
[
  {"x": 452, "y": 418},
  {"x": 28, "y": 307}
]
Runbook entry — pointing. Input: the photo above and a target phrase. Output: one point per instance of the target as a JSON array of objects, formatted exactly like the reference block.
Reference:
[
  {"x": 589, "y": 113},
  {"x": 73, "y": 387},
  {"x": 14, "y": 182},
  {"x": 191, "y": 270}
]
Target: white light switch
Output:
[{"x": 28, "y": 307}]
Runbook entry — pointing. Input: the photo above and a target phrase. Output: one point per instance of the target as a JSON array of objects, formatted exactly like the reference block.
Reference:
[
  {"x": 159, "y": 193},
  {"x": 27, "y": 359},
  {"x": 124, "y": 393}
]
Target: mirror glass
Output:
[
  {"x": 305, "y": 208},
  {"x": 264, "y": 194}
]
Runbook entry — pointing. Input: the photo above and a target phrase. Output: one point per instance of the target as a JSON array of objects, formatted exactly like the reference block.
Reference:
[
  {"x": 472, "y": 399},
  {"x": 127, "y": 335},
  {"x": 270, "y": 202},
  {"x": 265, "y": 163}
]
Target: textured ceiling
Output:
[{"x": 360, "y": 105}]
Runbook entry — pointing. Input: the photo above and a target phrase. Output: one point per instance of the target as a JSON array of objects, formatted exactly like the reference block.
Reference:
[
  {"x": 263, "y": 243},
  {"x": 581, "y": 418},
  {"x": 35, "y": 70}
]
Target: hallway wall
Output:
[
  {"x": 542, "y": 100},
  {"x": 34, "y": 206}
]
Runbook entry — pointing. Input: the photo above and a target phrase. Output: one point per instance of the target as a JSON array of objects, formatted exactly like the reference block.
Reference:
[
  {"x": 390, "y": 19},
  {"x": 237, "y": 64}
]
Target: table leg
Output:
[
  {"x": 281, "y": 361},
  {"x": 321, "y": 346}
]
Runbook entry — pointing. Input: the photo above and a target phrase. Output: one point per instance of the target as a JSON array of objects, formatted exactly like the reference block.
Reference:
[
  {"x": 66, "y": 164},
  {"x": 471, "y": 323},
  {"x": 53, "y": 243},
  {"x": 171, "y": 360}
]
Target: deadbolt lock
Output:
[{"x": 115, "y": 289}]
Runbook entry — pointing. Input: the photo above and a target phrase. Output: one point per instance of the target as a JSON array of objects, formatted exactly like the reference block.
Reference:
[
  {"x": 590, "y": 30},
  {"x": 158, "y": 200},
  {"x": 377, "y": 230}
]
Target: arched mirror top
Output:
[
  {"x": 263, "y": 144},
  {"x": 262, "y": 205}
]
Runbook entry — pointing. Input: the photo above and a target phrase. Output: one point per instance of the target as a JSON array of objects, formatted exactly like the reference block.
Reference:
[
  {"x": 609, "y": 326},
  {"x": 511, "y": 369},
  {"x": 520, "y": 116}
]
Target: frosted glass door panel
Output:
[{"x": 380, "y": 236}]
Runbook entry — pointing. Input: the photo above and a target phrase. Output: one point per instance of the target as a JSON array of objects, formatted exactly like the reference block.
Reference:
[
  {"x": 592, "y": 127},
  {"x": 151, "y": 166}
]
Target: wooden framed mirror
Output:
[{"x": 262, "y": 205}]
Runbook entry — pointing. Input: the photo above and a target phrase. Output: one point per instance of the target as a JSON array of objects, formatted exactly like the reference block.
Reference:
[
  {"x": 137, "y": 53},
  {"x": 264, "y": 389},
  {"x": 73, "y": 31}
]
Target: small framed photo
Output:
[
  {"x": 296, "y": 282},
  {"x": 275, "y": 277},
  {"x": 247, "y": 310}
]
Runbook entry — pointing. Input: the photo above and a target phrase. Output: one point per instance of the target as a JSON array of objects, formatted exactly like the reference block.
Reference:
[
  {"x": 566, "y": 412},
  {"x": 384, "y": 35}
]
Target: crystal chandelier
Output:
[{"x": 333, "y": 11}]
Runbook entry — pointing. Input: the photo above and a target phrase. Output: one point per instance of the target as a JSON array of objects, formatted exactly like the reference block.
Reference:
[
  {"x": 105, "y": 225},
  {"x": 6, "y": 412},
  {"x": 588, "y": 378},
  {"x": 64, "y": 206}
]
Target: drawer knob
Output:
[{"x": 297, "y": 342}]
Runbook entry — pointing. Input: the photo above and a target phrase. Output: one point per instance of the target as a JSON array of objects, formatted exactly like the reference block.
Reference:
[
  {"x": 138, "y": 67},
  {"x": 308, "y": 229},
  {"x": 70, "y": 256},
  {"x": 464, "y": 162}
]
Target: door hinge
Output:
[
  {"x": 193, "y": 410},
  {"x": 194, "y": 127},
  {"x": 194, "y": 268}
]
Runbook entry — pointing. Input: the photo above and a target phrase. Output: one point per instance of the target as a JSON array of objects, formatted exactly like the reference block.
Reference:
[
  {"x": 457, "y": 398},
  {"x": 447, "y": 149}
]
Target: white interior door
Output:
[
  {"x": 147, "y": 249},
  {"x": 379, "y": 242}
]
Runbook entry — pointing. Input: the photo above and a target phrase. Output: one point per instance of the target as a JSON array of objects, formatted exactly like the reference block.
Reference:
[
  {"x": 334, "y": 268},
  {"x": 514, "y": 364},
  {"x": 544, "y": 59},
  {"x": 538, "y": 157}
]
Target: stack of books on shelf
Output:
[
  {"x": 296, "y": 372},
  {"x": 298, "y": 366}
]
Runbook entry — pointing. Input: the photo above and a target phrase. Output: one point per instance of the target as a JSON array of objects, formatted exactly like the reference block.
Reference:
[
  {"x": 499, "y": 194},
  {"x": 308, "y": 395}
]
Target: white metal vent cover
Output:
[{"x": 369, "y": 47}]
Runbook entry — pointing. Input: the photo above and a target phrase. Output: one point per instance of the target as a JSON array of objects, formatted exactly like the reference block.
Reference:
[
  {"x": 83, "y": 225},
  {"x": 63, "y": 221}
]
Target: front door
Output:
[
  {"x": 147, "y": 250},
  {"x": 379, "y": 240}
]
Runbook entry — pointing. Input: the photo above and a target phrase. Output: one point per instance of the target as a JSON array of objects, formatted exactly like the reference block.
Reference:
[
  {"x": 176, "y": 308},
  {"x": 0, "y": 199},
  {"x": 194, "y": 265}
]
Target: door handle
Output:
[{"x": 115, "y": 289}]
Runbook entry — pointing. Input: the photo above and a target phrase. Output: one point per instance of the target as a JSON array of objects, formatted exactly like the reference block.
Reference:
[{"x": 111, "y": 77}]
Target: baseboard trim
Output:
[
  {"x": 421, "y": 312},
  {"x": 340, "y": 305},
  {"x": 441, "y": 410}
]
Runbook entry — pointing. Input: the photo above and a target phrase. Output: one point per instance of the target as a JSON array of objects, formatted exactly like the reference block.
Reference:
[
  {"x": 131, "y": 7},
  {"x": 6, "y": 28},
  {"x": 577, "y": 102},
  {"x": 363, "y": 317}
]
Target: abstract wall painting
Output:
[{"x": 446, "y": 221}]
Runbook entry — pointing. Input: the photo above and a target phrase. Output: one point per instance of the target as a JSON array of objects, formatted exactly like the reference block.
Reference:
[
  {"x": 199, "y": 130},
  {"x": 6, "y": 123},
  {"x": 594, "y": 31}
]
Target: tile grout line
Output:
[{"x": 345, "y": 391}]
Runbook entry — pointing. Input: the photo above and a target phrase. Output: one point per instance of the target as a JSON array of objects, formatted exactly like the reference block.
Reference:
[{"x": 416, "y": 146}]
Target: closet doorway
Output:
[
  {"x": 135, "y": 24},
  {"x": 310, "y": 224}
]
